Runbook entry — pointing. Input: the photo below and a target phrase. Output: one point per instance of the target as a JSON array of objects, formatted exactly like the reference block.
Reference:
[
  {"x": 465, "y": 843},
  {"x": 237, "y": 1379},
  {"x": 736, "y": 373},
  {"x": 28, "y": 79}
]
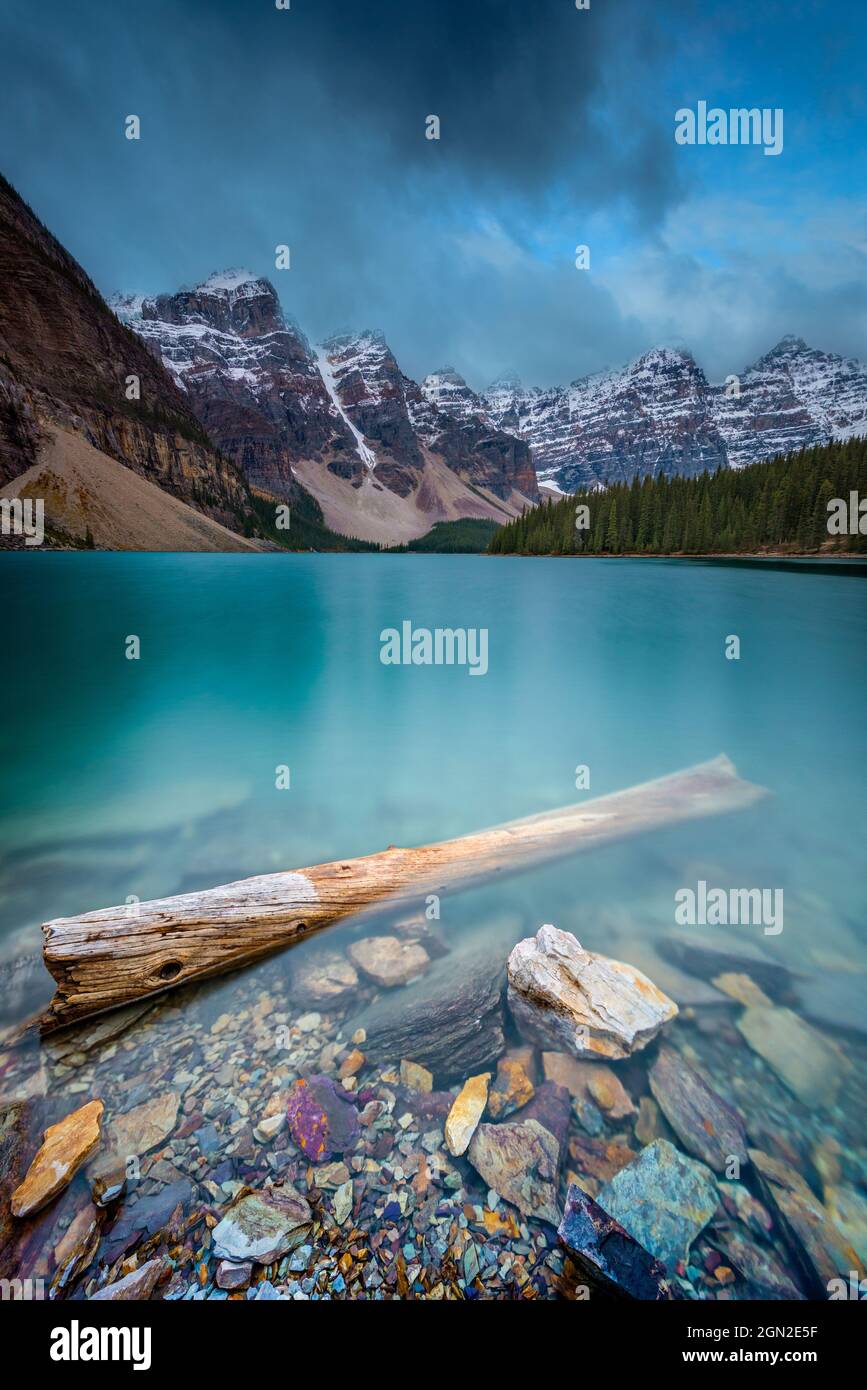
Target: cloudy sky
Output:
[{"x": 307, "y": 127}]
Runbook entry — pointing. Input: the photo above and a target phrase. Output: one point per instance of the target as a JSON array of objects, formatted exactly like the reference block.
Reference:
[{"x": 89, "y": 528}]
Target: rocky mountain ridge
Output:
[
  {"x": 660, "y": 415},
  {"x": 340, "y": 419},
  {"x": 66, "y": 363}
]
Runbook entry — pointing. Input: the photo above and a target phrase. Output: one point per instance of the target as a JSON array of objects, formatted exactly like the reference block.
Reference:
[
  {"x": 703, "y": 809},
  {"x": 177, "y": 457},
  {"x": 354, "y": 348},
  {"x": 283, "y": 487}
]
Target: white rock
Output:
[{"x": 572, "y": 1000}]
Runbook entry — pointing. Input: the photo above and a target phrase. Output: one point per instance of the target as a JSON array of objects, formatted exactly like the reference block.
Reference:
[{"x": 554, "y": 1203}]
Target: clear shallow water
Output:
[{"x": 156, "y": 776}]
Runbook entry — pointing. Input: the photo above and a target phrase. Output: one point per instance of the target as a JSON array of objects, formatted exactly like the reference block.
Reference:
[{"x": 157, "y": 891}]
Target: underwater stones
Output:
[
  {"x": 572, "y": 1000},
  {"x": 521, "y": 1161},
  {"x": 134, "y": 1287},
  {"x": 758, "y": 1265},
  {"x": 741, "y": 988},
  {"x": 663, "y": 1199},
  {"x": 451, "y": 1020},
  {"x": 65, "y": 1147},
  {"x": 323, "y": 977},
  {"x": 511, "y": 1090},
  {"x": 321, "y": 1120},
  {"x": 467, "y": 1110},
  {"x": 415, "y": 1077},
  {"x": 820, "y": 1250},
  {"x": 263, "y": 1226},
  {"x": 589, "y": 1081},
  {"x": 388, "y": 961},
  {"x": 847, "y": 1208},
  {"x": 704, "y": 1123},
  {"x": 707, "y": 959},
  {"x": 135, "y": 1132},
  {"x": 233, "y": 1276},
  {"x": 811, "y": 1065},
  {"x": 77, "y": 1246},
  {"x": 607, "y": 1256},
  {"x": 835, "y": 999}
]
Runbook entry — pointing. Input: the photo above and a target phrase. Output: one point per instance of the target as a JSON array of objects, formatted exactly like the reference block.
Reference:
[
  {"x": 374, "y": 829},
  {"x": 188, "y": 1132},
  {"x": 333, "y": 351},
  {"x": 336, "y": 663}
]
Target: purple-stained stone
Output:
[{"x": 322, "y": 1121}]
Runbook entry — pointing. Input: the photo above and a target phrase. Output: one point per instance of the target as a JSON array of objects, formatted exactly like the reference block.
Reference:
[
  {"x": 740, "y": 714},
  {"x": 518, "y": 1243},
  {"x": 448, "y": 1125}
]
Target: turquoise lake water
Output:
[{"x": 153, "y": 776}]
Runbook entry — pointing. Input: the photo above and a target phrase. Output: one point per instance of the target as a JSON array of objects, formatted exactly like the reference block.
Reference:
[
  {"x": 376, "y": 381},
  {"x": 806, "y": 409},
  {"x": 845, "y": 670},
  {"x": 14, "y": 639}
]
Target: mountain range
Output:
[
  {"x": 661, "y": 416},
  {"x": 339, "y": 420},
  {"x": 234, "y": 410}
]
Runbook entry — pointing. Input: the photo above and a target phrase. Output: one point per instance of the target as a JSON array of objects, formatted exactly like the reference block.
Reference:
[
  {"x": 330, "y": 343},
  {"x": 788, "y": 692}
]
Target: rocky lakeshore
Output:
[{"x": 390, "y": 1112}]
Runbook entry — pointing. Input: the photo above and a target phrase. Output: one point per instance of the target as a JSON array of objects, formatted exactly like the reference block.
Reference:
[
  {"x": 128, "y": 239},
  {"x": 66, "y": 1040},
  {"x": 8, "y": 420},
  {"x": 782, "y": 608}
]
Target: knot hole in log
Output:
[{"x": 170, "y": 970}]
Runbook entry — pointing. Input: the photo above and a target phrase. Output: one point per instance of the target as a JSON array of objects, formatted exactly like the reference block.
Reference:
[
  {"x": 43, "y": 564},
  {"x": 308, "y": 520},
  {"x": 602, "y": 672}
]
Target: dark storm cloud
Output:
[{"x": 308, "y": 127}]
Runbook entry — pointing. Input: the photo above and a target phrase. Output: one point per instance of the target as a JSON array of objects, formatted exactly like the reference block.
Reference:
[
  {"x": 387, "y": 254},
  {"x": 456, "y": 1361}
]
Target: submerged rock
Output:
[
  {"x": 134, "y": 1287},
  {"x": 233, "y": 1276},
  {"x": 663, "y": 1199},
  {"x": 708, "y": 959},
  {"x": 451, "y": 1020},
  {"x": 388, "y": 961},
  {"x": 77, "y": 1246},
  {"x": 321, "y": 1120},
  {"x": 591, "y": 1081},
  {"x": 606, "y": 1254},
  {"x": 263, "y": 1226},
  {"x": 835, "y": 999},
  {"x": 467, "y": 1110},
  {"x": 323, "y": 977},
  {"x": 571, "y": 1000},
  {"x": 758, "y": 1265},
  {"x": 521, "y": 1161},
  {"x": 811, "y": 1065},
  {"x": 511, "y": 1090},
  {"x": 415, "y": 1077},
  {"x": 820, "y": 1250},
  {"x": 136, "y": 1132},
  {"x": 703, "y": 1122},
  {"x": 65, "y": 1147}
]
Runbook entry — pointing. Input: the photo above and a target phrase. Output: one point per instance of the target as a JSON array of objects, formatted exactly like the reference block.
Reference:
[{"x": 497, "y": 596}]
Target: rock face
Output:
[
  {"x": 65, "y": 1147},
  {"x": 295, "y": 417},
  {"x": 663, "y": 1199},
  {"x": 263, "y": 1226},
  {"x": 660, "y": 414},
  {"x": 250, "y": 376},
  {"x": 705, "y": 1124},
  {"x": 607, "y": 1256},
  {"x": 811, "y": 1065},
  {"x": 468, "y": 1108},
  {"x": 450, "y": 1021},
  {"x": 652, "y": 417},
  {"x": 65, "y": 360},
  {"x": 571, "y": 1000}
]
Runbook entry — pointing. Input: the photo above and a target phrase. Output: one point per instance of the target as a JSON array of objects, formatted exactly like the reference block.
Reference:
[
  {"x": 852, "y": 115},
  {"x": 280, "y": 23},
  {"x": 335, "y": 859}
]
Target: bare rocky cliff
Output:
[{"x": 65, "y": 360}]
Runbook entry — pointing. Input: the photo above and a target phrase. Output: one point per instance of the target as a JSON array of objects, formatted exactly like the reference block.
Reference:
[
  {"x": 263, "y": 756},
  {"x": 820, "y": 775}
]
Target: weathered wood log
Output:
[{"x": 104, "y": 959}]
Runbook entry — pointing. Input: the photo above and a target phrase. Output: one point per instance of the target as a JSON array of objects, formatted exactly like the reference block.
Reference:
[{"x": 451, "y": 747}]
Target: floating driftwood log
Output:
[{"x": 104, "y": 959}]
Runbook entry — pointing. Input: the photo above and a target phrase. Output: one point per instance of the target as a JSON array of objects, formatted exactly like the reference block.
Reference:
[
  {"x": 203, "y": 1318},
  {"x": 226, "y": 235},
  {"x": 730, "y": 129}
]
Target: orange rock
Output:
[
  {"x": 351, "y": 1064},
  {"x": 512, "y": 1088},
  {"x": 467, "y": 1110},
  {"x": 65, "y": 1146}
]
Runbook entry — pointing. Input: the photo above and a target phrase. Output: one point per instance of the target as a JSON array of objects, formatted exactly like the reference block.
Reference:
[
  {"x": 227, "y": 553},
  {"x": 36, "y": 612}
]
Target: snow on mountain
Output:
[
  {"x": 792, "y": 397},
  {"x": 650, "y": 417},
  {"x": 660, "y": 414},
  {"x": 447, "y": 390},
  {"x": 344, "y": 411}
]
